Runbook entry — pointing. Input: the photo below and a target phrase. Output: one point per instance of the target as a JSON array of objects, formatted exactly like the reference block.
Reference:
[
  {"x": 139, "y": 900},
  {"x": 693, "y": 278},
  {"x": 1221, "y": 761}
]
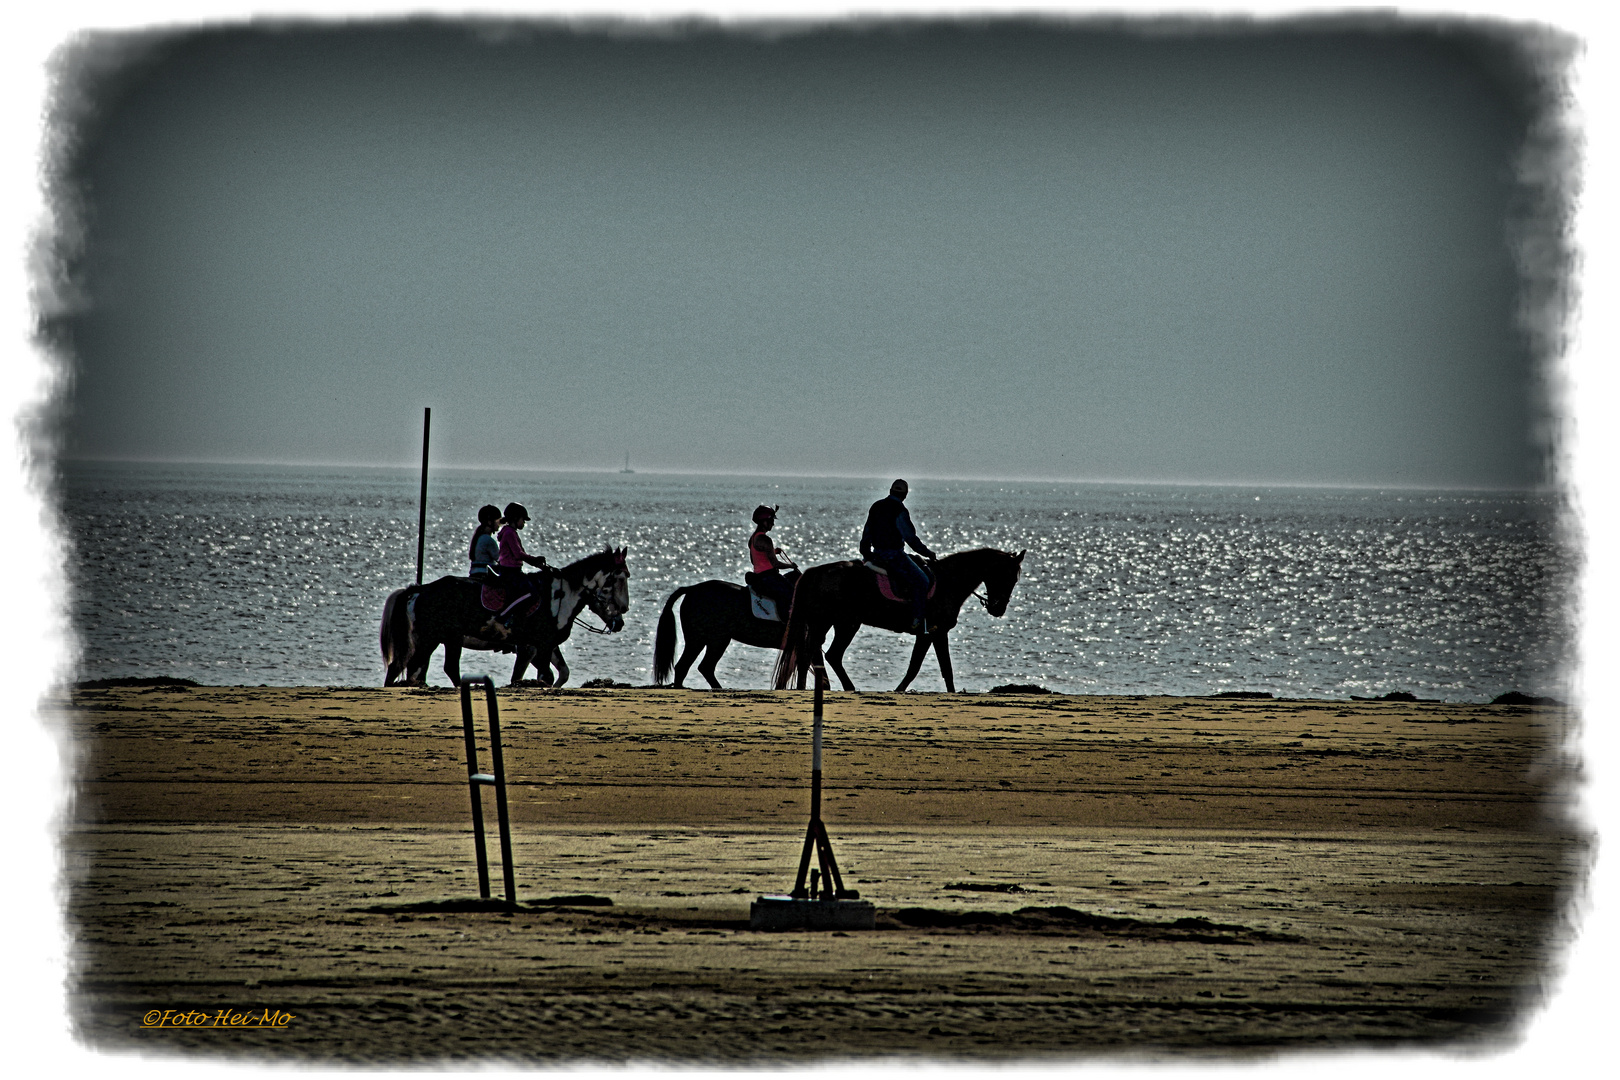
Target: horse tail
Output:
[
  {"x": 796, "y": 638},
  {"x": 396, "y": 635},
  {"x": 664, "y": 643},
  {"x": 386, "y": 639}
]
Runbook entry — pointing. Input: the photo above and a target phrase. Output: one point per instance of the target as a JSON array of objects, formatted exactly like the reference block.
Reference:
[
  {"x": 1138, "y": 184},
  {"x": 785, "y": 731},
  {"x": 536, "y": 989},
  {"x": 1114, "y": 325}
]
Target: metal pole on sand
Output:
[
  {"x": 826, "y": 905},
  {"x": 421, "y": 513},
  {"x": 495, "y": 779}
]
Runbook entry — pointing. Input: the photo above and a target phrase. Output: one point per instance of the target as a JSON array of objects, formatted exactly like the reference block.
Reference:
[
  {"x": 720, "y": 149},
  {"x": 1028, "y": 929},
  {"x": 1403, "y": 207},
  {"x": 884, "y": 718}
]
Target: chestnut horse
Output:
[{"x": 844, "y": 596}]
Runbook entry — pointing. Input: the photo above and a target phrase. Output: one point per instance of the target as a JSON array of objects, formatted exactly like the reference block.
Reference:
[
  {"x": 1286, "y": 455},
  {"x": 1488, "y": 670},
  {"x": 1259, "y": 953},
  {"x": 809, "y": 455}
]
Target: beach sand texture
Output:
[{"x": 1055, "y": 876}]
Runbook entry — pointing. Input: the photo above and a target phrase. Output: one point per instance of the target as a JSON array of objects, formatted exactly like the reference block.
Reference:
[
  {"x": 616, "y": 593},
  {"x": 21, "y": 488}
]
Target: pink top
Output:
[
  {"x": 512, "y": 553},
  {"x": 762, "y": 552}
]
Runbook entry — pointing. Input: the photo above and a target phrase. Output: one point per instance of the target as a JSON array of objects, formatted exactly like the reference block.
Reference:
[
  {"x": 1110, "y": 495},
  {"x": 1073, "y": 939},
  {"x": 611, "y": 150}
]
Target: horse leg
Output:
[
  {"x": 561, "y": 665},
  {"x": 942, "y": 653},
  {"x": 525, "y": 653},
  {"x": 417, "y": 662},
  {"x": 689, "y": 653},
  {"x": 452, "y": 661},
  {"x": 918, "y": 652},
  {"x": 711, "y": 657},
  {"x": 842, "y": 635}
]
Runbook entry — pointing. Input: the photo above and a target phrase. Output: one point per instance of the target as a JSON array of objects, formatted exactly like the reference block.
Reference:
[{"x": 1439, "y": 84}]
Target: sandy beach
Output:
[{"x": 1055, "y": 877}]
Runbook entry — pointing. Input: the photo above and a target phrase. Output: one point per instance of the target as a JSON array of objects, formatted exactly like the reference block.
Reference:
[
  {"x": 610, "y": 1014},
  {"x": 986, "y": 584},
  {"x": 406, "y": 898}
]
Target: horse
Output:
[
  {"x": 715, "y": 614},
  {"x": 844, "y": 596},
  {"x": 419, "y": 618},
  {"x": 395, "y": 653}
]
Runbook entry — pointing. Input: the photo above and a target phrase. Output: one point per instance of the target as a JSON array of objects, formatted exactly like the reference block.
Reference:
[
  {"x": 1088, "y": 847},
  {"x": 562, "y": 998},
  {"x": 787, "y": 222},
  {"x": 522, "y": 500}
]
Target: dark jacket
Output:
[{"x": 888, "y": 528}]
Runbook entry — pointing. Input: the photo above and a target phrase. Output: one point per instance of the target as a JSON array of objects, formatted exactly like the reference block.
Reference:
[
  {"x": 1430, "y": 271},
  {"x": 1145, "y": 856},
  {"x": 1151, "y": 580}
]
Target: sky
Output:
[{"x": 1193, "y": 252}]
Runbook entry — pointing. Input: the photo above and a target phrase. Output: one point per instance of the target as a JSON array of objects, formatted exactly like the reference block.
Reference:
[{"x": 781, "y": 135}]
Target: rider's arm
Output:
[
  {"x": 866, "y": 540},
  {"x": 909, "y": 534}
]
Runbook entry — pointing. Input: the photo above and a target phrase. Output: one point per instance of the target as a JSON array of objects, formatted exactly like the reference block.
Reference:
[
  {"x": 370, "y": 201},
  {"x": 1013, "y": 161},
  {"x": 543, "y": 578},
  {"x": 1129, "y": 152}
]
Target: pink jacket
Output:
[{"x": 512, "y": 553}]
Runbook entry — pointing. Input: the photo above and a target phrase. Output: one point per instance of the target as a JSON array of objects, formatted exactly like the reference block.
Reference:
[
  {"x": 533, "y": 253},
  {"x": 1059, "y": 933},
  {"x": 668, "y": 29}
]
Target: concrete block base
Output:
[{"x": 786, "y": 913}]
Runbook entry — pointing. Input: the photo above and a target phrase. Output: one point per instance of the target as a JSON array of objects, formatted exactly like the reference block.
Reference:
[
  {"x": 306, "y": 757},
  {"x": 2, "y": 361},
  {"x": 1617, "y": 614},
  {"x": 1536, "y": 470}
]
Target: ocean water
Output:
[{"x": 277, "y": 575}]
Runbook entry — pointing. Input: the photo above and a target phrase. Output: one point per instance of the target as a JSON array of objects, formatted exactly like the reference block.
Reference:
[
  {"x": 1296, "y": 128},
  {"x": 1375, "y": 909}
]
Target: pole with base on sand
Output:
[{"x": 813, "y": 904}]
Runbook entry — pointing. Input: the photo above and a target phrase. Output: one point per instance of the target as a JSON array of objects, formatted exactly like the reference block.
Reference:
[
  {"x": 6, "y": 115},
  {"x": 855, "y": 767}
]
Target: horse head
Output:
[
  {"x": 999, "y": 579},
  {"x": 607, "y": 592}
]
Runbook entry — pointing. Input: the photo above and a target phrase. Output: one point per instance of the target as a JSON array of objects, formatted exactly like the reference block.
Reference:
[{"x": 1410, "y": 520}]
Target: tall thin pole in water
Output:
[{"x": 421, "y": 513}]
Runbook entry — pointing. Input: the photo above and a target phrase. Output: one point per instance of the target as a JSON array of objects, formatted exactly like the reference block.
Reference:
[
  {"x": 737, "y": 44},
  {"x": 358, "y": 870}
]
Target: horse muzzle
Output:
[{"x": 615, "y": 624}]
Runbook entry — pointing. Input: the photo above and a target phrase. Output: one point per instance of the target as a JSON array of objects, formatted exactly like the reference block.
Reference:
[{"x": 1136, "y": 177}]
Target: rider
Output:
[
  {"x": 884, "y": 539},
  {"x": 510, "y": 560},
  {"x": 763, "y": 555},
  {"x": 485, "y": 550}
]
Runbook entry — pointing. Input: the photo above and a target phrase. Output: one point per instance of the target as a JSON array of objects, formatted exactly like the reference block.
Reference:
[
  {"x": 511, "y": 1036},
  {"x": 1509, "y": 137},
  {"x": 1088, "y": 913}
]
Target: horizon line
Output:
[{"x": 1537, "y": 489}]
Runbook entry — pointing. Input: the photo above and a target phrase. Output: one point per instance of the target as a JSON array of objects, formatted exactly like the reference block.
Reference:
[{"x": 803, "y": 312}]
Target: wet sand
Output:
[{"x": 1056, "y": 877}]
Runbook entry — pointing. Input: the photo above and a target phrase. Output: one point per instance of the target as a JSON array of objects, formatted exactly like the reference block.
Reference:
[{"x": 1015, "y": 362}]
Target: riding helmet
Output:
[
  {"x": 514, "y": 511},
  {"x": 762, "y": 514},
  {"x": 488, "y": 515}
]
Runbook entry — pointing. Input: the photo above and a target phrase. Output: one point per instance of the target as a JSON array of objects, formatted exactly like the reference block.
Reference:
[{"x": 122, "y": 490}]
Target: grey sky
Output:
[{"x": 1015, "y": 251}]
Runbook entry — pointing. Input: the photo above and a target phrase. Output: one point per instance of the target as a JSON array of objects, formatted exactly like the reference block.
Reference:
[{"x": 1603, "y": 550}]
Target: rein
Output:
[
  {"x": 983, "y": 600},
  {"x": 586, "y": 598}
]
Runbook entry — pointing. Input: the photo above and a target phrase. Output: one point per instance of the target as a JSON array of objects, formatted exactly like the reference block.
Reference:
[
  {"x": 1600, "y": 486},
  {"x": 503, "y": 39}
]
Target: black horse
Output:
[
  {"x": 419, "y": 618},
  {"x": 715, "y": 614},
  {"x": 844, "y": 596}
]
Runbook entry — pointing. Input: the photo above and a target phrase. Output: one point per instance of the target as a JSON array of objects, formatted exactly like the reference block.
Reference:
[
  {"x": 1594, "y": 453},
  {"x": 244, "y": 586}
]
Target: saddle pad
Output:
[
  {"x": 763, "y": 607},
  {"x": 493, "y": 598},
  {"x": 887, "y": 590}
]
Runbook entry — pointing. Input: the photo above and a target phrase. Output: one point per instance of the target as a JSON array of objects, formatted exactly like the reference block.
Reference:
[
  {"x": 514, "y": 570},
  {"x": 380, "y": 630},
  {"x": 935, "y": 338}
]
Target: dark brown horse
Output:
[
  {"x": 714, "y": 614},
  {"x": 420, "y": 618},
  {"x": 844, "y": 596}
]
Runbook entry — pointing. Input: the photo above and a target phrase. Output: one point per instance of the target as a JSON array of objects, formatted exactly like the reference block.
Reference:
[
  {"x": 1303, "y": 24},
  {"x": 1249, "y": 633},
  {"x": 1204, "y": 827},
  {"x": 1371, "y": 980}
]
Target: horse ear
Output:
[{"x": 1021, "y": 555}]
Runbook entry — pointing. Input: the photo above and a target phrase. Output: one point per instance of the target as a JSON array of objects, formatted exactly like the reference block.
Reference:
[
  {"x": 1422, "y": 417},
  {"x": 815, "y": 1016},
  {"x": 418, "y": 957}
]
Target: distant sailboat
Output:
[{"x": 627, "y": 468}]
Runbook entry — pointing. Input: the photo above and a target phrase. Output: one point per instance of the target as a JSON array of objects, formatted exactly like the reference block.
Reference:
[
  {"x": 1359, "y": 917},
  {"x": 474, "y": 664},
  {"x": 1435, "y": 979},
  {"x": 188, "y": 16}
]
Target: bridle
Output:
[
  {"x": 984, "y": 601},
  {"x": 596, "y": 602}
]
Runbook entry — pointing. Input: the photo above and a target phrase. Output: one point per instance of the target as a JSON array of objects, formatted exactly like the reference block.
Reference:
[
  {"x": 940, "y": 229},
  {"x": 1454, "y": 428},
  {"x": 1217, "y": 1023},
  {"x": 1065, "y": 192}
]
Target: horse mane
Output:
[
  {"x": 975, "y": 552},
  {"x": 580, "y": 569}
]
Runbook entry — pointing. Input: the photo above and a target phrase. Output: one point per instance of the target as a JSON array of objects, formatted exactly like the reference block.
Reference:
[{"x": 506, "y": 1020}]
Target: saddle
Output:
[
  {"x": 764, "y": 605},
  {"x": 886, "y": 587},
  {"x": 493, "y": 598}
]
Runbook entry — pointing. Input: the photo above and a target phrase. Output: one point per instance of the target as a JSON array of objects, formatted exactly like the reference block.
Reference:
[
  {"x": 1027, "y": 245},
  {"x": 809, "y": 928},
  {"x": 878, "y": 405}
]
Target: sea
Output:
[{"x": 276, "y": 575}]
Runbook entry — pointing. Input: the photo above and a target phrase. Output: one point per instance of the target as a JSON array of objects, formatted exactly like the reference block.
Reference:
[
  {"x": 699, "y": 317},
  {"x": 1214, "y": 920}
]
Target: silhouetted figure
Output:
[
  {"x": 485, "y": 551},
  {"x": 884, "y": 540},
  {"x": 769, "y": 561}
]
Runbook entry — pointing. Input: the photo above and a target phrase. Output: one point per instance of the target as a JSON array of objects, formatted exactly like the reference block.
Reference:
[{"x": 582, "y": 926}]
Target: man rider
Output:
[
  {"x": 763, "y": 557},
  {"x": 884, "y": 540}
]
